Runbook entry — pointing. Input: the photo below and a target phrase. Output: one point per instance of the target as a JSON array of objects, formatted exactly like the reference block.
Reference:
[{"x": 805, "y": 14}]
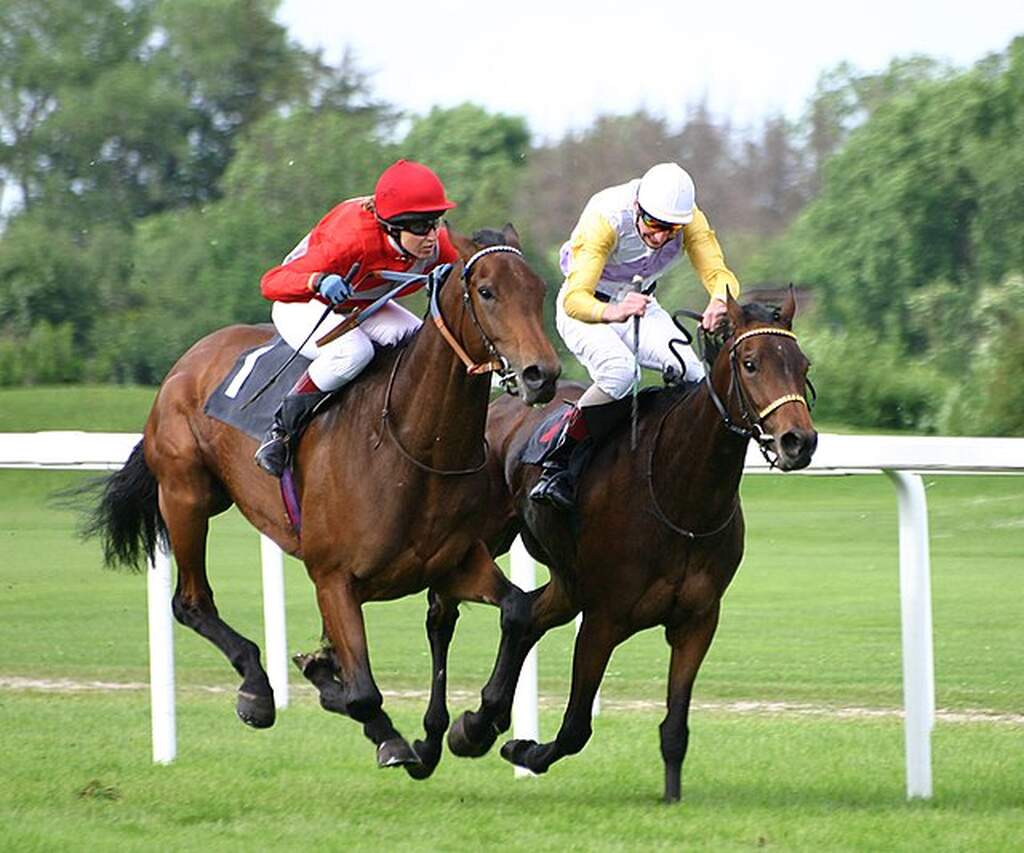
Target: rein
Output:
[
  {"x": 754, "y": 428},
  {"x": 385, "y": 419},
  {"x": 498, "y": 363}
]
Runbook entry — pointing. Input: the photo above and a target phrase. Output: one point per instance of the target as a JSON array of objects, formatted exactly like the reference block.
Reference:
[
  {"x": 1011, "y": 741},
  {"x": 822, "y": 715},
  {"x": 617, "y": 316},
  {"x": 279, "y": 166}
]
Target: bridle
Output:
[
  {"x": 498, "y": 363},
  {"x": 754, "y": 423}
]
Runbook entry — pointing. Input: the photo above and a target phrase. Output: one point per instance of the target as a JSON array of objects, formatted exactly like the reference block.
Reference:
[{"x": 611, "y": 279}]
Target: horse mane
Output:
[{"x": 488, "y": 237}]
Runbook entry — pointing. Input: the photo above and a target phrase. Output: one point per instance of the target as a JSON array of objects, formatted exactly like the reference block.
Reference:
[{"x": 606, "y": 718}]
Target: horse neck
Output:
[
  {"x": 439, "y": 409},
  {"x": 696, "y": 447}
]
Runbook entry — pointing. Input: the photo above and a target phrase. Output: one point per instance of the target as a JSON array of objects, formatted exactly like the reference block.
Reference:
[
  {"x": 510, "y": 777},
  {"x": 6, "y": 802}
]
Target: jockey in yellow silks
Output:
[{"x": 626, "y": 237}]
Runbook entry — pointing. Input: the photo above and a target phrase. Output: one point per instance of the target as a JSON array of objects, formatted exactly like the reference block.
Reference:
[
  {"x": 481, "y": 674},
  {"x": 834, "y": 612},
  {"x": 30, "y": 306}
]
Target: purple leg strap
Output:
[{"x": 291, "y": 499}]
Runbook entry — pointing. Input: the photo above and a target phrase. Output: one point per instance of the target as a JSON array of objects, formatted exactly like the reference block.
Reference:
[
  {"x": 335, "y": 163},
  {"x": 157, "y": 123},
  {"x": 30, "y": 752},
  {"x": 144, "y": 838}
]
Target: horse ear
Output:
[
  {"x": 788, "y": 310},
  {"x": 463, "y": 244},
  {"x": 733, "y": 311},
  {"x": 510, "y": 235}
]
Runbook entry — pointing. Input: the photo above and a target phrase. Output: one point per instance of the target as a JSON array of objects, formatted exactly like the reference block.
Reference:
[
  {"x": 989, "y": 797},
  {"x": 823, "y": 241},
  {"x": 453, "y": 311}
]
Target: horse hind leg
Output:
[{"x": 186, "y": 508}]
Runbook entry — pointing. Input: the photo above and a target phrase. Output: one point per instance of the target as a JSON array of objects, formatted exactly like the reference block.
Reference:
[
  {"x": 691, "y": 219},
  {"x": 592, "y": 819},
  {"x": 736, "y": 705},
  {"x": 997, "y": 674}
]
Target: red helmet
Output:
[{"x": 408, "y": 187}]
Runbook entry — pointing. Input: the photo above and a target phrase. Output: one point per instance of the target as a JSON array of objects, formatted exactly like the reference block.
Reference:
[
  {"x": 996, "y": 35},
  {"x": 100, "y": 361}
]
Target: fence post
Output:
[
  {"x": 274, "y": 628},
  {"x": 916, "y": 625},
  {"x": 525, "y": 721},
  {"x": 161, "y": 657}
]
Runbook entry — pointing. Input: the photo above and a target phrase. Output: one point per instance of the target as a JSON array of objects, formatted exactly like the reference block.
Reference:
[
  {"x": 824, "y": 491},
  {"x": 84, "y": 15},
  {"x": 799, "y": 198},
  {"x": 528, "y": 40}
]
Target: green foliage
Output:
[
  {"x": 865, "y": 381},
  {"x": 477, "y": 154}
]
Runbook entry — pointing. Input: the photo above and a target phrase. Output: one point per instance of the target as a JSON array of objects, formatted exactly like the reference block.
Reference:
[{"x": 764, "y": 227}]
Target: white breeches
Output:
[
  {"x": 606, "y": 349},
  {"x": 343, "y": 358}
]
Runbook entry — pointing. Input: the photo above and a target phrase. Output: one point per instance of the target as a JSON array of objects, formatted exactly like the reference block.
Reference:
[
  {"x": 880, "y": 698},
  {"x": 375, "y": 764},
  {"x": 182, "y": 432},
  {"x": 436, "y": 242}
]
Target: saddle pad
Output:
[
  {"x": 250, "y": 373},
  {"x": 544, "y": 436},
  {"x": 542, "y": 439}
]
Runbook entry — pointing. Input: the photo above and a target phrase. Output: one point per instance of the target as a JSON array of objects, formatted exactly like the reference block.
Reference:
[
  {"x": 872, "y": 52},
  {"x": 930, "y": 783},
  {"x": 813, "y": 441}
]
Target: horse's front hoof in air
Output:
[
  {"x": 461, "y": 743},
  {"x": 256, "y": 710},
  {"x": 429, "y": 754},
  {"x": 514, "y": 752},
  {"x": 396, "y": 753}
]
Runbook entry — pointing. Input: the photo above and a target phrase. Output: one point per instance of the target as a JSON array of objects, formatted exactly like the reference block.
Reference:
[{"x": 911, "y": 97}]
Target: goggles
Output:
[
  {"x": 657, "y": 224},
  {"x": 418, "y": 226}
]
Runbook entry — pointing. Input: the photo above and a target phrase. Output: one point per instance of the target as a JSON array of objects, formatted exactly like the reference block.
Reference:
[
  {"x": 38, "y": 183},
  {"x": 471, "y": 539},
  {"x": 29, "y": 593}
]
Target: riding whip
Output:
[
  {"x": 295, "y": 354},
  {"x": 361, "y": 315},
  {"x": 637, "y": 285}
]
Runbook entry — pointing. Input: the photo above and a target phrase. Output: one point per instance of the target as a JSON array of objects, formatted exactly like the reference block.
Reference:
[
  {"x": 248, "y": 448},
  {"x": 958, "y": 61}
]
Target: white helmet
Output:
[{"x": 667, "y": 193}]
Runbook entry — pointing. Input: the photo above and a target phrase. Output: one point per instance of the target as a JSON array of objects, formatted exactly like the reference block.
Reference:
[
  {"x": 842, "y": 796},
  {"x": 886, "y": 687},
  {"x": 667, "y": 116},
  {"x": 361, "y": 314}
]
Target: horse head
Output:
[
  {"x": 761, "y": 373},
  {"x": 502, "y": 320}
]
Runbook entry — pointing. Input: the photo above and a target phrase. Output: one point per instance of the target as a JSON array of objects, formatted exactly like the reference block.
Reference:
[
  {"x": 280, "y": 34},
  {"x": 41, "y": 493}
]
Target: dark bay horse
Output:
[
  {"x": 392, "y": 491},
  {"x": 658, "y": 535}
]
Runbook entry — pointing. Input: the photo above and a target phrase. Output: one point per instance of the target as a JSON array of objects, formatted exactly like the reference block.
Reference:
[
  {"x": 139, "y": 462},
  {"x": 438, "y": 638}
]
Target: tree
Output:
[{"x": 479, "y": 157}]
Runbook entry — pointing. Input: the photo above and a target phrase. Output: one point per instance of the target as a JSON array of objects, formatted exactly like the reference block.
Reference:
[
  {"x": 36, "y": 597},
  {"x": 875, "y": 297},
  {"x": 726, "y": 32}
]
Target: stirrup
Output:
[
  {"x": 555, "y": 487},
  {"x": 272, "y": 454}
]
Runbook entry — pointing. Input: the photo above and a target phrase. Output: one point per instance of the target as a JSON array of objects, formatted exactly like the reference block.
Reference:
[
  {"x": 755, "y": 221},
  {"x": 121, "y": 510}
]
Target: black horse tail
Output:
[{"x": 127, "y": 516}]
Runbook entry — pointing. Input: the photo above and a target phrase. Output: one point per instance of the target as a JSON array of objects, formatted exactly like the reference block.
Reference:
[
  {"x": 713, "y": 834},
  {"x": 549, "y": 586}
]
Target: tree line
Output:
[{"x": 156, "y": 156}]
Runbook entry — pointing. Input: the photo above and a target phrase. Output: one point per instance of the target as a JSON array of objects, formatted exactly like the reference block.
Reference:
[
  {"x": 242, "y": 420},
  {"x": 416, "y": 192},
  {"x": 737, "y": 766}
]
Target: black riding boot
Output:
[
  {"x": 290, "y": 419},
  {"x": 557, "y": 485}
]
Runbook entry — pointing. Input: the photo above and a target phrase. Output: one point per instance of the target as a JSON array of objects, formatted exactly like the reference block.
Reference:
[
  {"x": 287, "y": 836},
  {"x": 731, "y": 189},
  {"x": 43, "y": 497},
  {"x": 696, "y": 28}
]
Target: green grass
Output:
[
  {"x": 81, "y": 779},
  {"x": 813, "y": 617}
]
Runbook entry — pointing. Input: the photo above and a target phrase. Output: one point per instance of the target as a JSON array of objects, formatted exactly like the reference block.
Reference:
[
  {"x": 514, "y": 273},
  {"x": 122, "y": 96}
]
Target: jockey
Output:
[
  {"x": 399, "y": 229},
  {"x": 626, "y": 237}
]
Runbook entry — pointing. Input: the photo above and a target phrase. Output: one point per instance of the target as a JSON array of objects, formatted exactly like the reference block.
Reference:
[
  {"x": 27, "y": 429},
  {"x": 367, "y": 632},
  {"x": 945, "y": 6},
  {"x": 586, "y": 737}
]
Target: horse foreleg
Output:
[
  {"x": 442, "y": 614},
  {"x": 594, "y": 645},
  {"x": 184, "y": 507},
  {"x": 549, "y": 606},
  {"x": 690, "y": 642},
  {"x": 360, "y": 698}
]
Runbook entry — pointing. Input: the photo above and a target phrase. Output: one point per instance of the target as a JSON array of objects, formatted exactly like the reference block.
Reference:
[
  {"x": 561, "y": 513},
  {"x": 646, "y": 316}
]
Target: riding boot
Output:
[
  {"x": 556, "y": 485},
  {"x": 291, "y": 417}
]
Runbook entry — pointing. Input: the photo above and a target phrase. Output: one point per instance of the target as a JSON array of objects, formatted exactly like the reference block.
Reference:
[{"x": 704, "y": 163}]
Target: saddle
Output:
[{"x": 251, "y": 371}]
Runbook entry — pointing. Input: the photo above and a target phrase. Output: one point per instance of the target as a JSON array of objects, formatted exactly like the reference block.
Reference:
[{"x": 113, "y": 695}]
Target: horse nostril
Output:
[
  {"x": 533, "y": 376},
  {"x": 796, "y": 442}
]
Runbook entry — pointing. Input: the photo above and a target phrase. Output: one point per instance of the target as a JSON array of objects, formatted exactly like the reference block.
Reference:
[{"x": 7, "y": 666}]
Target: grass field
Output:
[{"x": 812, "y": 622}]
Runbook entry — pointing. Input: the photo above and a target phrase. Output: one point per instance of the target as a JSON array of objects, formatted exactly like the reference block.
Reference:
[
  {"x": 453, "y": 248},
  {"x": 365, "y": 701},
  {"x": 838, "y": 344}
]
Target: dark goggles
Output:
[
  {"x": 420, "y": 226},
  {"x": 657, "y": 224}
]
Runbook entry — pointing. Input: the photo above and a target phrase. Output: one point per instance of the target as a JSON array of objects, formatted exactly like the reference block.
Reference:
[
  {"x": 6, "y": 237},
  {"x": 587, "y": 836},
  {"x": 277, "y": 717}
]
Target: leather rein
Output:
[
  {"x": 498, "y": 363},
  {"x": 754, "y": 428}
]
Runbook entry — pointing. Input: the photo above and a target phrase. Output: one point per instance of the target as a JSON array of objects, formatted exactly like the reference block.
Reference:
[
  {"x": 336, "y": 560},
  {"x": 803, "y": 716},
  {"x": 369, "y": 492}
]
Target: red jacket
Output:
[{"x": 347, "y": 234}]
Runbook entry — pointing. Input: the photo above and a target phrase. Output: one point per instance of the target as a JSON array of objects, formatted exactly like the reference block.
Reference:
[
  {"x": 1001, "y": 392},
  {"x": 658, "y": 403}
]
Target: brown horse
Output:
[
  {"x": 391, "y": 486},
  {"x": 658, "y": 533}
]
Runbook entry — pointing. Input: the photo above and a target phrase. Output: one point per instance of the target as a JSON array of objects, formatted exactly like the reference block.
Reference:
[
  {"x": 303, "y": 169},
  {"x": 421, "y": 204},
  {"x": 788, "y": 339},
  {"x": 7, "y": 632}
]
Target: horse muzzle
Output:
[
  {"x": 539, "y": 383},
  {"x": 795, "y": 447}
]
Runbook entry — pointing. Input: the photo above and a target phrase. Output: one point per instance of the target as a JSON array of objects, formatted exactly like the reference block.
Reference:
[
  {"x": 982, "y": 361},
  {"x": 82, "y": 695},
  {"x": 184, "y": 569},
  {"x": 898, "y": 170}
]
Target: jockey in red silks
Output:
[{"x": 399, "y": 229}]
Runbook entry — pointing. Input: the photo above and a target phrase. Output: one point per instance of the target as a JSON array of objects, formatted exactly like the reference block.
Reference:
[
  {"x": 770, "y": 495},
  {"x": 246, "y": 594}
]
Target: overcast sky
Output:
[{"x": 560, "y": 63}]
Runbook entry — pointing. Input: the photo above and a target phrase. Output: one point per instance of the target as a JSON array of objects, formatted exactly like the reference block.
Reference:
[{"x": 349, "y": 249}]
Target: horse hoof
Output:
[
  {"x": 302, "y": 660},
  {"x": 256, "y": 710},
  {"x": 429, "y": 755},
  {"x": 461, "y": 744},
  {"x": 396, "y": 753},
  {"x": 514, "y": 752}
]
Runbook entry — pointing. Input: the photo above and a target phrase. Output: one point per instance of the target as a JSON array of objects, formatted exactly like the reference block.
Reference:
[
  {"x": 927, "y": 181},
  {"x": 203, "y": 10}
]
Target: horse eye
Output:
[
  {"x": 485, "y": 292},
  {"x": 749, "y": 365}
]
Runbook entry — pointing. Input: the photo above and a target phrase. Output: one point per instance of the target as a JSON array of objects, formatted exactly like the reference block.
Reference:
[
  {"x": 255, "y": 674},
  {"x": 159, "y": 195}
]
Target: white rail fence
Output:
[{"x": 902, "y": 458}]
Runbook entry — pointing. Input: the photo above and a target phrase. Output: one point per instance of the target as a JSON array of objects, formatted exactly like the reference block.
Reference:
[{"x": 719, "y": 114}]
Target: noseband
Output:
[
  {"x": 754, "y": 423},
  {"x": 498, "y": 363}
]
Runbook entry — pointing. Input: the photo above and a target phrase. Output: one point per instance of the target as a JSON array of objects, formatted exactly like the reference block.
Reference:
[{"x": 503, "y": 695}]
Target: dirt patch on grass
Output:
[{"x": 782, "y": 709}]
